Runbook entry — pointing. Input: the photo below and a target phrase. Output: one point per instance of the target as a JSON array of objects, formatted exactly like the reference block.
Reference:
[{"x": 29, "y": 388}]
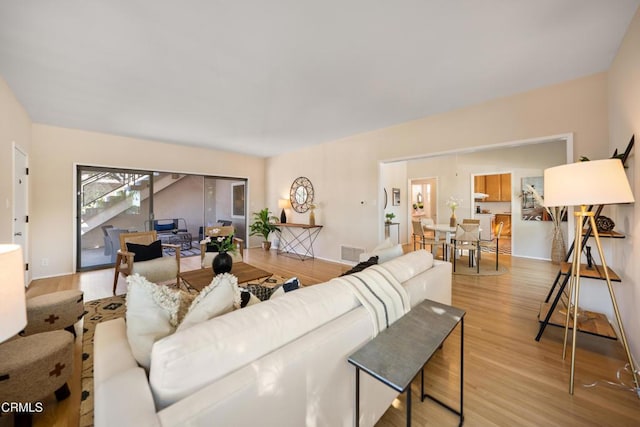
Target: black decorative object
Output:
[
  {"x": 283, "y": 217},
  {"x": 222, "y": 263},
  {"x": 589, "y": 257},
  {"x": 604, "y": 224}
]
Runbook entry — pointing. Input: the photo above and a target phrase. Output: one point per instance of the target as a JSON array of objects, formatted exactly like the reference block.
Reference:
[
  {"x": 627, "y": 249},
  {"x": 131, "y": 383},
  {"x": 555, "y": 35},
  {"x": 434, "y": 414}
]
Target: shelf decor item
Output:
[
  {"x": 556, "y": 214},
  {"x": 453, "y": 204},
  {"x": 599, "y": 182},
  {"x": 604, "y": 224},
  {"x": 312, "y": 215}
]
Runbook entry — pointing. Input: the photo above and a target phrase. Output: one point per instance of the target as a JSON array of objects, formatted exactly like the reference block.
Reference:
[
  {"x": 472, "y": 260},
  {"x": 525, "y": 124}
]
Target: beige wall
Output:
[
  {"x": 56, "y": 151},
  {"x": 624, "y": 121},
  {"x": 345, "y": 173},
  {"x": 15, "y": 127}
]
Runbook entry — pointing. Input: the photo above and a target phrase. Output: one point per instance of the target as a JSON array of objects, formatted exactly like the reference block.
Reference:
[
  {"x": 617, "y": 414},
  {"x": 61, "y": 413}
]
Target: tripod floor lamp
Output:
[{"x": 599, "y": 182}]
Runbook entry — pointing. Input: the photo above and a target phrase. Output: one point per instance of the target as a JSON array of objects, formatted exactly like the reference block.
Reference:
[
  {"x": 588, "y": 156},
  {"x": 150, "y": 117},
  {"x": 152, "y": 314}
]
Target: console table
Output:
[
  {"x": 397, "y": 354},
  {"x": 297, "y": 239}
]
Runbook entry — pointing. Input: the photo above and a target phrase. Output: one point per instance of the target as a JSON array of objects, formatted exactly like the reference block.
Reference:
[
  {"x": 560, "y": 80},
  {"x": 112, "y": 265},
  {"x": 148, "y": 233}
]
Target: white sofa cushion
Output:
[
  {"x": 410, "y": 265},
  {"x": 219, "y": 297},
  {"x": 187, "y": 360},
  {"x": 385, "y": 251},
  {"x": 125, "y": 400}
]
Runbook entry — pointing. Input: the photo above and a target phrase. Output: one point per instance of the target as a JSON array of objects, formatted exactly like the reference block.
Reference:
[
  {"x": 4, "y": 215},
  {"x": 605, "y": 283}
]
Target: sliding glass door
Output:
[
  {"x": 109, "y": 202},
  {"x": 113, "y": 201}
]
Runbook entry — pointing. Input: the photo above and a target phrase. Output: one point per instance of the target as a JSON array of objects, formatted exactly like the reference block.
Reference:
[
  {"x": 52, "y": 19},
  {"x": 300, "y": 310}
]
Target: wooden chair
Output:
[
  {"x": 467, "y": 238},
  {"x": 219, "y": 231},
  {"x": 155, "y": 270},
  {"x": 470, "y": 221},
  {"x": 487, "y": 243},
  {"x": 420, "y": 237}
]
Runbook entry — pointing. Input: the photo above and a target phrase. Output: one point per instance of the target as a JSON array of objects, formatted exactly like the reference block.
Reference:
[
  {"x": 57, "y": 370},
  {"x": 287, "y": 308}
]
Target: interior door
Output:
[{"x": 20, "y": 197}]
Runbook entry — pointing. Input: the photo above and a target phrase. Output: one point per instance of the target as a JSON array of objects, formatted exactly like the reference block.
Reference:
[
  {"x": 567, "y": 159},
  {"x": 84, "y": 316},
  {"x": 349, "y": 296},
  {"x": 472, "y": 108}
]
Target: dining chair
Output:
[
  {"x": 420, "y": 236},
  {"x": 470, "y": 221},
  {"x": 496, "y": 238},
  {"x": 467, "y": 238}
]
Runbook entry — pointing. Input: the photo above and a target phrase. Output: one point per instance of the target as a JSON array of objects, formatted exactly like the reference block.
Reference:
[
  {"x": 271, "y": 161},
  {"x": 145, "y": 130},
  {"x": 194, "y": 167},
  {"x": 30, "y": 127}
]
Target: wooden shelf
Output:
[
  {"x": 588, "y": 321},
  {"x": 607, "y": 234},
  {"x": 597, "y": 272}
]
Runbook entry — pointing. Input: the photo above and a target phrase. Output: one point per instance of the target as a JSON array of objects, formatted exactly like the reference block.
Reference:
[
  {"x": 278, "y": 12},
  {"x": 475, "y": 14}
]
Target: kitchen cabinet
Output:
[
  {"x": 478, "y": 184},
  {"x": 505, "y": 187},
  {"x": 497, "y": 186},
  {"x": 492, "y": 187}
]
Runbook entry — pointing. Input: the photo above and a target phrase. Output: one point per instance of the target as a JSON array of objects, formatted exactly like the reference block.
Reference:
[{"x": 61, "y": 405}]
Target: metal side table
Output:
[{"x": 397, "y": 354}]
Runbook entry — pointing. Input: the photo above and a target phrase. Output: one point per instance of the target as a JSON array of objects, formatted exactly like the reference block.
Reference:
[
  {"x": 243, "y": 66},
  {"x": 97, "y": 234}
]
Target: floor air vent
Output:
[{"x": 349, "y": 253}]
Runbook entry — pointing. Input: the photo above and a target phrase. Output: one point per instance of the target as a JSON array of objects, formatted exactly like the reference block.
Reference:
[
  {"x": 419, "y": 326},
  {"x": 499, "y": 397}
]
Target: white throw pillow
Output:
[
  {"x": 217, "y": 298},
  {"x": 152, "y": 314}
]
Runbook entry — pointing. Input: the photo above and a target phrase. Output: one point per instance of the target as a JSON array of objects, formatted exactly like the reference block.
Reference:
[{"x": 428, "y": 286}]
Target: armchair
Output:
[
  {"x": 219, "y": 231},
  {"x": 154, "y": 266}
]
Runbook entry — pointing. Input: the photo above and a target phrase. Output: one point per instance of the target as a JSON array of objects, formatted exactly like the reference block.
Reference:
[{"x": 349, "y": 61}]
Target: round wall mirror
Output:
[{"x": 301, "y": 194}]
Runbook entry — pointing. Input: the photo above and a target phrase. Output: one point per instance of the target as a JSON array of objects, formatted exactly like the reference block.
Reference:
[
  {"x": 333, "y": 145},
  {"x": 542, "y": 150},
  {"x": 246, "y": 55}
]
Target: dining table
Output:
[{"x": 441, "y": 230}]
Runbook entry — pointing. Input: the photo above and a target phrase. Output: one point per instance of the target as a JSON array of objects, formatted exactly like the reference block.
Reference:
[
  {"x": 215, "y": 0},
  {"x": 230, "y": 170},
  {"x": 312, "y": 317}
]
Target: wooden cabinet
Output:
[
  {"x": 497, "y": 186},
  {"x": 505, "y": 187},
  {"x": 506, "y": 224},
  {"x": 492, "y": 187},
  {"x": 478, "y": 184}
]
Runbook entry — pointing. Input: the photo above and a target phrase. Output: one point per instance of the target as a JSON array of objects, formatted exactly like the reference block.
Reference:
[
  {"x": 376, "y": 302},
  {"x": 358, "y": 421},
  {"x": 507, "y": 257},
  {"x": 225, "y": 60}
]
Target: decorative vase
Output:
[
  {"x": 222, "y": 263},
  {"x": 312, "y": 217},
  {"x": 266, "y": 245},
  {"x": 558, "y": 248},
  {"x": 453, "y": 221}
]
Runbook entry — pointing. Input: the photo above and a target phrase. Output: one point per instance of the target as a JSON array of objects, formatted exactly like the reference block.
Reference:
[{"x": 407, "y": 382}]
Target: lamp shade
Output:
[
  {"x": 596, "y": 182},
  {"x": 13, "y": 310},
  {"x": 284, "y": 203}
]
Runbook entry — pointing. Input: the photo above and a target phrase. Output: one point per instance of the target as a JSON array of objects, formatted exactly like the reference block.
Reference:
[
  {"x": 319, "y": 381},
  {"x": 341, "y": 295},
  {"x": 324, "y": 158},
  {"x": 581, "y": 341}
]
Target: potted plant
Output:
[
  {"x": 263, "y": 224},
  {"x": 389, "y": 217}
]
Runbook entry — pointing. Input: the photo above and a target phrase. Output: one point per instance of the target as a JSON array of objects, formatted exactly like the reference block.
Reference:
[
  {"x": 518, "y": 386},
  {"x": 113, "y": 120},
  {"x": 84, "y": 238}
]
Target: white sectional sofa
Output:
[{"x": 282, "y": 362}]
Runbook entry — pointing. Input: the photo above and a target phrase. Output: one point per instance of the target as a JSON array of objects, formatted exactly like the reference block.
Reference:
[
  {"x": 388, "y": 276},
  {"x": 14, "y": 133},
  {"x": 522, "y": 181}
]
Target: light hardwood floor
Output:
[{"x": 510, "y": 379}]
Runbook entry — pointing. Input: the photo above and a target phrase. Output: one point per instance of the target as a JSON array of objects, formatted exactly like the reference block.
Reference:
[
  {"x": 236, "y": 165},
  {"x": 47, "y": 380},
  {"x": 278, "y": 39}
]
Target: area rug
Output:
[
  {"x": 96, "y": 311},
  {"x": 193, "y": 251},
  {"x": 487, "y": 267}
]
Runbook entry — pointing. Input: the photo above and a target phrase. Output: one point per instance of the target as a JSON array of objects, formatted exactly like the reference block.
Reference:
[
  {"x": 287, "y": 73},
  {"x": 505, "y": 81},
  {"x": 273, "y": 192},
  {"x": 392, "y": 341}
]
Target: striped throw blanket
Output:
[{"x": 380, "y": 293}]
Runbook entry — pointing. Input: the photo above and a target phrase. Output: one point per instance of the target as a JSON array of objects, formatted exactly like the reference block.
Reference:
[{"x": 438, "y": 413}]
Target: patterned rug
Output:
[
  {"x": 193, "y": 251},
  {"x": 96, "y": 311},
  {"x": 487, "y": 267}
]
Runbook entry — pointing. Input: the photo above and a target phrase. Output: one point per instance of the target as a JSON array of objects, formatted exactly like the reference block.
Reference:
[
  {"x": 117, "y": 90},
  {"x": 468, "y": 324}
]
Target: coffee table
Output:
[{"x": 198, "y": 279}]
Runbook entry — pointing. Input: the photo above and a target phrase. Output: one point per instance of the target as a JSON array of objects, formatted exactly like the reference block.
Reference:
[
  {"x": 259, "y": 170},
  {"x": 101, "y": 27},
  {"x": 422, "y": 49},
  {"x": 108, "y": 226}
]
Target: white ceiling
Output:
[{"x": 265, "y": 77}]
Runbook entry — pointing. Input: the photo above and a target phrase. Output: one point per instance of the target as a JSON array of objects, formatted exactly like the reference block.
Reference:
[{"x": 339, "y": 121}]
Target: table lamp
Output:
[
  {"x": 283, "y": 204},
  {"x": 13, "y": 309},
  {"x": 598, "y": 182}
]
